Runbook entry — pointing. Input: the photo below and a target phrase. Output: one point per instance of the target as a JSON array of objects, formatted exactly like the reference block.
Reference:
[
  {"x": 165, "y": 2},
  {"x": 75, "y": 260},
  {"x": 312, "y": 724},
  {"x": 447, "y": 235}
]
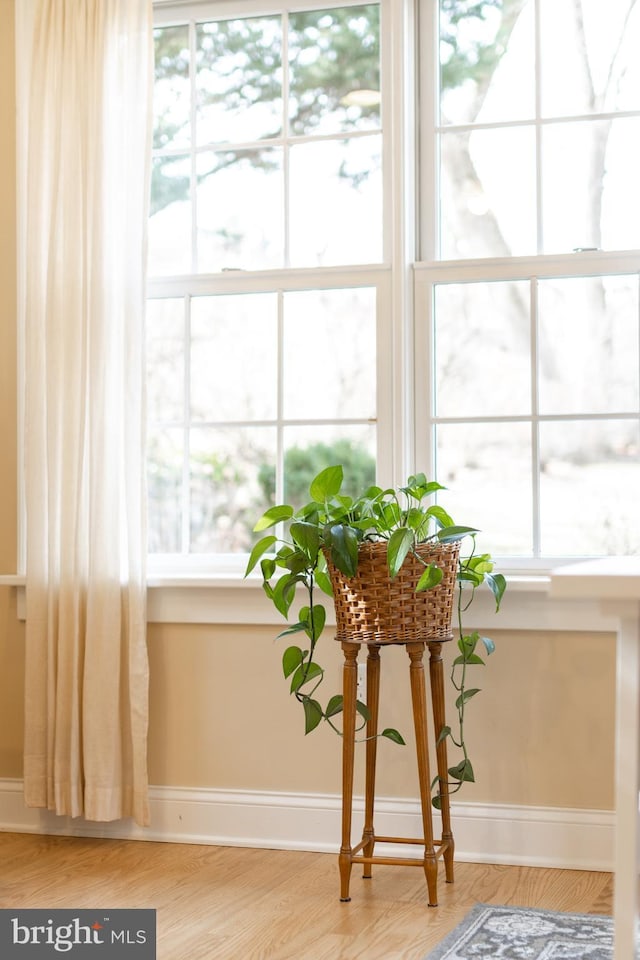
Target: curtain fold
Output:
[{"x": 84, "y": 94}]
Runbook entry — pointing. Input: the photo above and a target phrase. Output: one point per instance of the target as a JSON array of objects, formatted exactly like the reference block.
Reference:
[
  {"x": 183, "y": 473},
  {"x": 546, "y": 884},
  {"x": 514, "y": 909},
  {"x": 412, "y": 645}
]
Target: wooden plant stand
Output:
[{"x": 364, "y": 852}]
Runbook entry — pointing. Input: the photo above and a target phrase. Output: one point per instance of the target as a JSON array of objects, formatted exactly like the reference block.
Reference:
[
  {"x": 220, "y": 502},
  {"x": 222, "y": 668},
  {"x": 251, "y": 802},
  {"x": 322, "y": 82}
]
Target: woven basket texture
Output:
[{"x": 373, "y": 608}]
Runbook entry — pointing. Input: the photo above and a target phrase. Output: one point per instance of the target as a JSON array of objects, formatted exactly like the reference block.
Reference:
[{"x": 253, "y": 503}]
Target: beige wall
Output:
[
  {"x": 11, "y": 631},
  {"x": 541, "y": 732}
]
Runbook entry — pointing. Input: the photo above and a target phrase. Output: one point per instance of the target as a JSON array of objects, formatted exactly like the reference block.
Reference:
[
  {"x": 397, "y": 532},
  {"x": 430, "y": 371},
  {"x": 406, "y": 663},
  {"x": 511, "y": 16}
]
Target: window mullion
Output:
[
  {"x": 538, "y": 130},
  {"x": 225, "y": 101},
  {"x": 280, "y": 402},
  {"x": 286, "y": 147},
  {"x": 193, "y": 175},
  {"x": 427, "y": 121},
  {"x": 185, "y": 512},
  {"x": 535, "y": 419}
]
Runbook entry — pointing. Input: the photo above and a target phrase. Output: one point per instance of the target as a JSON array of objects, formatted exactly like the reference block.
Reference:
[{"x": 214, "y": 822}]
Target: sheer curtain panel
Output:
[{"x": 84, "y": 95}]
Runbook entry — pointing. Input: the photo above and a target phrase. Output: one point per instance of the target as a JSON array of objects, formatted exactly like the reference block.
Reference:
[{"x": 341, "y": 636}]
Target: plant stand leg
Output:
[
  {"x": 419, "y": 701},
  {"x": 349, "y": 689},
  {"x": 436, "y": 672},
  {"x": 373, "y": 700}
]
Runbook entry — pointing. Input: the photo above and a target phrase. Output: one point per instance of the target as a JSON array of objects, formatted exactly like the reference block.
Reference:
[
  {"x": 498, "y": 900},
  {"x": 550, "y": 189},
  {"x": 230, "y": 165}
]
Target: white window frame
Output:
[
  {"x": 430, "y": 269},
  {"x": 391, "y": 278},
  {"x": 529, "y": 270}
]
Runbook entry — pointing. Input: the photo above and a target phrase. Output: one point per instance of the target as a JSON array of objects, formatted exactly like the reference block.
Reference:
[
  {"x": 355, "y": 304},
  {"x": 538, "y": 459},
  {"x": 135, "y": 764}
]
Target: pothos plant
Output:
[{"x": 336, "y": 524}]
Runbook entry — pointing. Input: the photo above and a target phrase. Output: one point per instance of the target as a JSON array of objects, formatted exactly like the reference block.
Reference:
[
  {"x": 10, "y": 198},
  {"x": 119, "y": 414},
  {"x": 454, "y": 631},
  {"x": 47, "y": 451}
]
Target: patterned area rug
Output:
[{"x": 520, "y": 933}]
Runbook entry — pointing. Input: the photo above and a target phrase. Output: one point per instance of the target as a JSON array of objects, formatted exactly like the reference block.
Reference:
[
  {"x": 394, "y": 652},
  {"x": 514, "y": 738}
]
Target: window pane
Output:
[
  {"x": 334, "y": 63},
  {"x": 591, "y": 192},
  {"x": 165, "y": 360},
  {"x": 589, "y": 488},
  {"x": 164, "y": 481},
  {"x": 589, "y": 56},
  {"x": 486, "y": 61},
  {"x": 234, "y": 357},
  {"x": 339, "y": 325},
  {"x": 228, "y": 467},
  {"x": 171, "y": 105},
  {"x": 487, "y": 470},
  {"x": 239, "y": 79},
  {"x": 488, "y": 193},
  {"x": 307, "y": 450},
  {"x": 170, "y": 220},
  {"x": 621, "y": 191},
  {"x": 336, "y": 202},
  {"x": 240, "y": 210},
  {"x": 588, "y": 352},
  {"x": 482, "y": 349}
]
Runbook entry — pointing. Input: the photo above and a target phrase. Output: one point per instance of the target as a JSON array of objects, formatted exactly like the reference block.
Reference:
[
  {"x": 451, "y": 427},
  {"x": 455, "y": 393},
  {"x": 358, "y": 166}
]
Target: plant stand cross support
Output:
[{"x": 364, "y": 852}]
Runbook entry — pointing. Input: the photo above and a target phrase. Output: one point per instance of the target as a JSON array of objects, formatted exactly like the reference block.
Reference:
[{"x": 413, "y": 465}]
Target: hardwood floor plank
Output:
[{"x": 225, "y": 903}]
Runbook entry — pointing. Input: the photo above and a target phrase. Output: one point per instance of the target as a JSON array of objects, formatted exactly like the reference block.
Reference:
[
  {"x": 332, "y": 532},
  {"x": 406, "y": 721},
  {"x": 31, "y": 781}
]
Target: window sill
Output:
[{"x": 197, "y": 598}]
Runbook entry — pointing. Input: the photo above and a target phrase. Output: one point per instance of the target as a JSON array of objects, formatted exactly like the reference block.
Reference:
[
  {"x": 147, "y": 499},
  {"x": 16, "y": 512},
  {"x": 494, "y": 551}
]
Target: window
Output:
[
  {"x": 458, "y": 235},
  {"x": 528, "y": 305},
  {"x": 268, "y": 291}
]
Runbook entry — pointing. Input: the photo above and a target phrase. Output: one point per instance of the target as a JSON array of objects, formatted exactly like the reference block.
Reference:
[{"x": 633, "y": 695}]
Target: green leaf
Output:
[
  {"x": 436, "y": 802},
  {"x": 327, "y": 484},
  {"x": 466, "y": 695},
  {"x": 363, "y": 709},
  {"x": 294, "y": 628},
  {"x": 469, "y": 576},
  {"x": 284, "y": 592},
  {"x": 393, "y": 735},
  {"x": 261, "y": 547},
  {"x": 400, "y": 542},
  {"x": 307, "y": 536},
  {"x": 431, "y": 577},
  {"x": 481, "y": 563},
  {"x": 268, "y": 567},
  {"x": 343, "y": 543},
  {"x": 296, "y": 561},
  {"x": 419, "y": 487},
  {"x": 416, "y": 519},
  {"x": 467, "y": 645},
  {"x": 324, "y": 582},
  {"x": 463, "y": 771},
  {"x": 312, "y": 714},
  {"x": 497, "y": 585},
  {"x": 440, "y": 515},
  {"x": 304, "y": 674},
  {"x": 272, "y": 516},
  {"x": 432, "y": 486},
  {"x": 313, "y": 624},
  {"x": 334, "y": 706},
  {"x": 447, "y": 534},
  {"x": 471, "y": 658},
  {"x": 291, "y": 660},
  {"x": 391, "y": 514},
  {"x": 444, "y": 733}
]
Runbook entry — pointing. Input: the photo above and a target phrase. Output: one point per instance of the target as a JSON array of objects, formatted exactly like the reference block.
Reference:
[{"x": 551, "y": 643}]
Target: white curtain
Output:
[{"x": 84, "y": 99}]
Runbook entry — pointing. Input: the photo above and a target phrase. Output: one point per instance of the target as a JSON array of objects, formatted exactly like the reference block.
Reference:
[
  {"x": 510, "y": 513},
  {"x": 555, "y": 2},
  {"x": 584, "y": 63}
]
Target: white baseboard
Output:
[{"x": 484, "y": 833}]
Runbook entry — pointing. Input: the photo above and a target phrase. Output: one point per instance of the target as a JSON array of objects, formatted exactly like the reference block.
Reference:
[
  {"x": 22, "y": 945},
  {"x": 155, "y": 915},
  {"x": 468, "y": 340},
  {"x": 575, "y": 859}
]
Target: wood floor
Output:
[{"x": 231, "y": 903}]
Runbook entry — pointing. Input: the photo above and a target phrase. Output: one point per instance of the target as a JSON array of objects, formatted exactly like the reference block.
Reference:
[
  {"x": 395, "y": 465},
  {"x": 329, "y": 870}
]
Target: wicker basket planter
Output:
[{"x": 372, "y": 608}]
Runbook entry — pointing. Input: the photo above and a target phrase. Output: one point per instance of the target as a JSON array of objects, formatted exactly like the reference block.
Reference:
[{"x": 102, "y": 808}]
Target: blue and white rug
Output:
[{"x": 521, "y": 933}]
